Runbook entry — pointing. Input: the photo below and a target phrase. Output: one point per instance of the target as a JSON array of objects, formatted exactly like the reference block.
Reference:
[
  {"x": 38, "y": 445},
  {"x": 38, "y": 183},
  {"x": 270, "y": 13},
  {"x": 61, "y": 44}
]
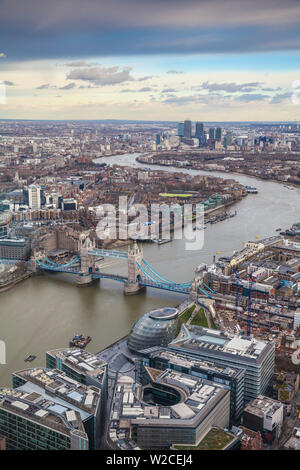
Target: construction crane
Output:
[
  {"x": 238, "y": 284},
  {"x": 237, "y": 296},
  {"x": 251, "y": 282}
]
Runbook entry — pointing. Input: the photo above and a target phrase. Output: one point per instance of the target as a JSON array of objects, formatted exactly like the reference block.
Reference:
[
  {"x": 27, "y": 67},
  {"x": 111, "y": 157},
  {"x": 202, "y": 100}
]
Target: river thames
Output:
[{"x": 45, "y": 312}]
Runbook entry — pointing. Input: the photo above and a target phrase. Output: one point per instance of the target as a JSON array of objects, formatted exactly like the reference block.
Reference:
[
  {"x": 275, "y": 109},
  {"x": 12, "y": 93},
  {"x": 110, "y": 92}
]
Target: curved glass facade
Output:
[{"x": 156, "y": 328}]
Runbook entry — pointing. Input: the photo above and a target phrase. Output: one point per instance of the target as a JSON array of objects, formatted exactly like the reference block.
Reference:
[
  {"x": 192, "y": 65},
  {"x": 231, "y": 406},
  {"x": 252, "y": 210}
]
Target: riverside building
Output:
[
  {"x": 255, "y": 356},
  {"x": 173, "y": 408},
  {"x": 46, "y": 386}
]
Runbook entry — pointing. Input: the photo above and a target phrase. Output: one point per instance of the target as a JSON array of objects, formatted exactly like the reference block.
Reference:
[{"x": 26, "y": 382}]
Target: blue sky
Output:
[{"x": 142, "y": 59}]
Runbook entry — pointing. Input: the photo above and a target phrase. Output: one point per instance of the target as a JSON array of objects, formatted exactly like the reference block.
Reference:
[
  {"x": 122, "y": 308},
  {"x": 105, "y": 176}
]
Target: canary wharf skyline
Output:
[{"x": 150, "y": 60}]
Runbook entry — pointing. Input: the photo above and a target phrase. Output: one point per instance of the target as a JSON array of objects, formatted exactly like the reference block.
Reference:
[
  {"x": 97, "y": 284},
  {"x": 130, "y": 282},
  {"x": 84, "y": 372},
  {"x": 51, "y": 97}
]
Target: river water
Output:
[{"x": 45, "y": 312}]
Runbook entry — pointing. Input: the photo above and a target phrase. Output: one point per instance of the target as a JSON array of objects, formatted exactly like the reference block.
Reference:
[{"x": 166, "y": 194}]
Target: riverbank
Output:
[
  {"x": 216, "y": 170},
  {"x": 13, "y": 282}
]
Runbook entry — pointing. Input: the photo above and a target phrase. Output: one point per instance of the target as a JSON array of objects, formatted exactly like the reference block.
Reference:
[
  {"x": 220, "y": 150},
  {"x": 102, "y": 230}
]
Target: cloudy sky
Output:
[{"x": 150, "y": 59}]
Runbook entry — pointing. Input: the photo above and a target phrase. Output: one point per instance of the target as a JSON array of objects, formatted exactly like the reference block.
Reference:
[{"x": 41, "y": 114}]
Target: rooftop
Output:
[
  {"x": 262, "y": 405},
  {"x": 215, "y": 439},
  {"x": 42, "y": 409},
  {"x": 81, "y": 361},
  {"x": 186, "y": 361},
  {"x": 62, "y": 388},
  {"x": 195, "y": 338},
  {"x": 165, "y": 313},
  {"x": 196, "y": 399}
]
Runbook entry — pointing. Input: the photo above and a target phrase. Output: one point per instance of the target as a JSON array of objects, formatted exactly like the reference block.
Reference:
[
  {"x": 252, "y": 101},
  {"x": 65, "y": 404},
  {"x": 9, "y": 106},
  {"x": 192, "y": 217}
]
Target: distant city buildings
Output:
[
  {"x": 34, "y": 197},
  {"x": 187, "y": 131}
]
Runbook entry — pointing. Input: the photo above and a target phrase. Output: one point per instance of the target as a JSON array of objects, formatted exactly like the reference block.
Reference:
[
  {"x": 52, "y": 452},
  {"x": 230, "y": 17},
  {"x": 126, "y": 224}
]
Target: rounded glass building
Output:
[{"x": 156, "y": 328}]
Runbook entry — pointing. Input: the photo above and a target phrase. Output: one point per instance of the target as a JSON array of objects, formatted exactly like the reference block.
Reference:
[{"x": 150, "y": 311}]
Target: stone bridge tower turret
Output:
[{"x": 132, "y": 286}]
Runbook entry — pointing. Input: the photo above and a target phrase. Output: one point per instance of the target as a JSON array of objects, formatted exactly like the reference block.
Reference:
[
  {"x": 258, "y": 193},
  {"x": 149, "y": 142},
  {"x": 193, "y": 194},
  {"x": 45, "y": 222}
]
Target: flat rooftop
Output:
[
  {"x": 42, "y": 409},
  {"x": 215, "y": 439},
  {"x": 186, "y": 361},
  {"x": 85, "y": 399},
  {"x": 195, "y": 338},
  {"x": 197, "y": 397},
  {"x": 263, "y": 405},
  {"x": 81, "y": 361}
]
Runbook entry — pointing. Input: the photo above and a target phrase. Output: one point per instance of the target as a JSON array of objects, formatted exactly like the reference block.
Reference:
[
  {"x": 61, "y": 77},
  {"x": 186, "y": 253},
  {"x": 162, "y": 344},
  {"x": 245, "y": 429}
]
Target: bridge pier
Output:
[
  {"x": 133, "y": 288},
  {"x": 85, "y": 280}
]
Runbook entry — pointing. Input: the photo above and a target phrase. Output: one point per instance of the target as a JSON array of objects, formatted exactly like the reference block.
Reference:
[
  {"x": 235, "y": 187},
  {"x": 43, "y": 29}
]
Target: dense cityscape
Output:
[
  {"x": 149, "y": 230},
  {"x": 224, "y": 362}
]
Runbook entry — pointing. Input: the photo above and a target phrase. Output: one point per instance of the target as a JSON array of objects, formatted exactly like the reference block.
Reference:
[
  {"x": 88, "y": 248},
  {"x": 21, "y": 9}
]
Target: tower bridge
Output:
[{"x": 140, "y": 273}]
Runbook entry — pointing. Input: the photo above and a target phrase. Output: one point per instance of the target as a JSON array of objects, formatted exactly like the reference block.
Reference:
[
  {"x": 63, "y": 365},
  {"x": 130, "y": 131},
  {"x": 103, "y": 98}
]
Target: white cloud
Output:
[{"x": 102, "y": 75}]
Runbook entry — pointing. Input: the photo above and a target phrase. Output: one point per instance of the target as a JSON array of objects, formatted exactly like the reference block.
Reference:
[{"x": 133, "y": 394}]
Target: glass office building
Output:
[
  {"x": 255, "y": 356},
  {"x": 27, "y": 425},
  {"x": 229, "y": 377},
  {"x": 156, "y": 328}
]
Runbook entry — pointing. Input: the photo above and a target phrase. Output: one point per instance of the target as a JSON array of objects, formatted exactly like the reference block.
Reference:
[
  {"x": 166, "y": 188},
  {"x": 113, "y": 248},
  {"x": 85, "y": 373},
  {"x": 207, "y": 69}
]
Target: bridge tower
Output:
[
  {"x": 194, "y": 286},
  {"x": 194, "y": 291},
  {"x": 84, "y": 277},
  {"x": 32, "y": 265},
  {"x": 132, "y": 286}
]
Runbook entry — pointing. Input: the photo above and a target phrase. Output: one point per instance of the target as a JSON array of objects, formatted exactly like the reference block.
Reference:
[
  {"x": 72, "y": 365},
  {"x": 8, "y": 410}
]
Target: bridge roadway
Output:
[
  {"x": 108, "y": 253},
  {"x": 116, "y": 277},
  {"x": 145, "y": 281}
]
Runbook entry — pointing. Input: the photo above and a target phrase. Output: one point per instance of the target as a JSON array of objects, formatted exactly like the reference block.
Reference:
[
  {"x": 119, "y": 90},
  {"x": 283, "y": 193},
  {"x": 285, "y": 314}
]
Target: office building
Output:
[
  {"x": 265, "y": 415},
  {"x": 34, "y": 196},
  {"x": 5, "y": 221},
  {"x": 218, "y": 134},
  {"x": 69, "y": 205},
  {"x": 297, "y": 319},
  {"x": 33, "y": 421},
  {"x": 14, "y": 249},
  {"x": 156, "y": 328},
  {"x": 229, "y": 377},
  {"x": 180, "y": 129},
  {"x": 173, "y": 408},
  {"x": 228, "y": 139},
  {"x": 211, "y": 133},
  {"x": 200, "y": 134},
  {"x": 255, "y": 356},
  {"x": 188, "y": 129},
  {"x": 79, "y": 365},
  {"x": 53, "y": 385},
  {"x": 199, "y": 130}
]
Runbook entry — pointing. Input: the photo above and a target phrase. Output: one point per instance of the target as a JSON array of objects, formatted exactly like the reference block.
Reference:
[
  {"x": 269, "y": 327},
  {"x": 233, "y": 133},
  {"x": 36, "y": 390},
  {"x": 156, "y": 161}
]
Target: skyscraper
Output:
[
  {"x": 180, "y": 128},
  {"x": 228, "y": 139},
  {"x": 199, "y": 130},
  {"x": 34, "y": 196},
  {"x": 212, "y": 133},
  {"x": 218, "y": 134},
  {"x": 200, "y": 134},
  {"x": 188, "y": 129}
]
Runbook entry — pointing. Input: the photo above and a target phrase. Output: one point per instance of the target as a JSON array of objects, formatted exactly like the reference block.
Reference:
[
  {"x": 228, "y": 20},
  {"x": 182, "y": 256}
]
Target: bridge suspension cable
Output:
[
  {"x": 162, "y": 278},
  {"x": 160, "y": 281}
]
